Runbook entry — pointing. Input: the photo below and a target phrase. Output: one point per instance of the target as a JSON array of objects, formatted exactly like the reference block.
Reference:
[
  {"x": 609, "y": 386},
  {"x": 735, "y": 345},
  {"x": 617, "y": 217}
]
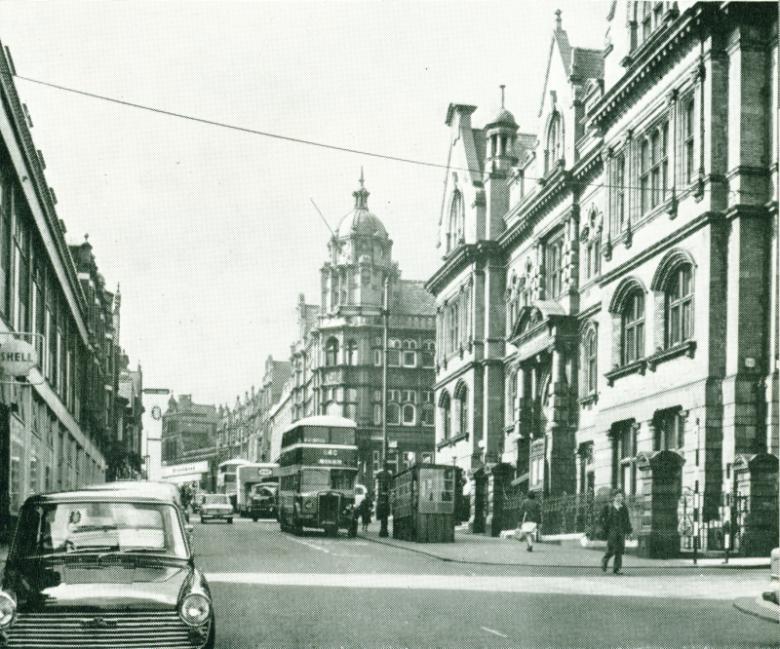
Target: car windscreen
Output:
[
  {"x": 216, "y": 499},
  {"x": 73, "y": 527}
]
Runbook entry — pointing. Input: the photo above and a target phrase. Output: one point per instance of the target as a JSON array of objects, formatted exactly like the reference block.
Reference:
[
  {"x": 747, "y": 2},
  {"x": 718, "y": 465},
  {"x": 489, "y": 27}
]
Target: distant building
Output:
[
  {"x": 336, "y": 362},
  {"x": 154, "y": 402},
  {"x": 187, "y": 427}
]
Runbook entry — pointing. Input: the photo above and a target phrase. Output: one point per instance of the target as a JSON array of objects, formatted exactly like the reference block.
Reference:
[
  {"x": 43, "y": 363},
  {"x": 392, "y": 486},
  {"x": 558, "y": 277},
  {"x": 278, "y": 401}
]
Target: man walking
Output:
[
  {"x": 532, "y": 516},
  {"x": 616, "y": 525}
]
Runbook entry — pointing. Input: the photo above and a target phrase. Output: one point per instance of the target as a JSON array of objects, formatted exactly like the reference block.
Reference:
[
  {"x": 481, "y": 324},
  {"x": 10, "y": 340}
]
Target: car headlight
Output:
[
  {"x": 195, "y": 609},
  {"x": 7, "y": 609}
]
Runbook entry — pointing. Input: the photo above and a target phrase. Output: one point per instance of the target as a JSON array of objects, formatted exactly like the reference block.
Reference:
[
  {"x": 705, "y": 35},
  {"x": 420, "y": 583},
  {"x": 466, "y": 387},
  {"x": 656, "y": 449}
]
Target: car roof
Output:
[
  {"x": 97, "y": 495},
  {"x": 124, "y": 488}
]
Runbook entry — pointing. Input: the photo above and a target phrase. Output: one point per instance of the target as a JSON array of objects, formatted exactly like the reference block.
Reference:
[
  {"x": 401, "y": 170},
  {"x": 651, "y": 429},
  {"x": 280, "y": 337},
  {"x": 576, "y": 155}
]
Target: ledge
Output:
[
  {"x": 451, "y": 441},
  {"x": 637, "y": 367},
  {"x": 590, "y": 399},
  {"x": 688, "y": 348}
]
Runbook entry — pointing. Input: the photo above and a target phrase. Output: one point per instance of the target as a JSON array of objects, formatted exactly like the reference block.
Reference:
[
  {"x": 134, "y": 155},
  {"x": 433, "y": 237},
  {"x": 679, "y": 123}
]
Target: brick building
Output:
[
  {"x": 608, "y": 294},
  {"x": 187, "y": 427},
  {"x": 336, "y": 362}
]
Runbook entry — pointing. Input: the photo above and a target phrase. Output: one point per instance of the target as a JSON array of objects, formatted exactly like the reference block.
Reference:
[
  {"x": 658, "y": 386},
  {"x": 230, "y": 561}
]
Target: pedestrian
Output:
[
  {"x": 365, "y": 511},
  {"x": 532, "y": 516},
  {"x": 616, "y": 524}
]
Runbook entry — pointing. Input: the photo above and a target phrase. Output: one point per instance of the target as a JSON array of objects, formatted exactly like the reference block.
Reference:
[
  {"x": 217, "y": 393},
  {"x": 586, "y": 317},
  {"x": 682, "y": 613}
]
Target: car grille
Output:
[
  {"x": 141, "y": 630},
  {"x": 329, "y": 508}
]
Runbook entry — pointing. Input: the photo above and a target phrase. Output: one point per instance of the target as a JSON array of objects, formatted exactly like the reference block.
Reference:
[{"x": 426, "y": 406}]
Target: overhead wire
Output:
[{"x": 322, "y": 145}]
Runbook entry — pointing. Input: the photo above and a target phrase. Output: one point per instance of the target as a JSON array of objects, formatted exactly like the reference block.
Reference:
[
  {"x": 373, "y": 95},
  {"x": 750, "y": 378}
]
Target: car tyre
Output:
[
  {"x": 254, "y": 519},
  {"x": 230, "y": 521},
  {"x": 202, "y": 520}
]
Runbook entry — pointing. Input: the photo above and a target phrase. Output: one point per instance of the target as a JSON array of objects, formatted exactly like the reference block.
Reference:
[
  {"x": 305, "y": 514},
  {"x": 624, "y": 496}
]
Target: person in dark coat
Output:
[
  {"x": 532, "y": 517},
  {"x": 364, "y": 510},
  {"x": 617, "y": 526}
]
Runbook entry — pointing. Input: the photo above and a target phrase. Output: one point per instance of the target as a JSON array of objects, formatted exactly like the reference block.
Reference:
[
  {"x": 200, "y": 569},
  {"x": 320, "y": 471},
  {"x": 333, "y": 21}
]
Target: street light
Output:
[{"x": 383, "y": 497}]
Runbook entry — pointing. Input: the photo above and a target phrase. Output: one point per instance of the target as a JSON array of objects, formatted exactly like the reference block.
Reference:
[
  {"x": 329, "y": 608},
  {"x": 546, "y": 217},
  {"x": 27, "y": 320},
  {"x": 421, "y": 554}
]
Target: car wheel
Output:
[
  {"x": 230, "y": 521},
  {"x": 254, "y": 519},
  {"x": 202, "y": 520},
  {"x": 297, "y": 526}
]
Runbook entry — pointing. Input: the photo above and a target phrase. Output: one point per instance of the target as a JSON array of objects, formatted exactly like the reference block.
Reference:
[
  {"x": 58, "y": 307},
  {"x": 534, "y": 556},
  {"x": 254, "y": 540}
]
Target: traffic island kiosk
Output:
[{"x": 423, "y": 504}]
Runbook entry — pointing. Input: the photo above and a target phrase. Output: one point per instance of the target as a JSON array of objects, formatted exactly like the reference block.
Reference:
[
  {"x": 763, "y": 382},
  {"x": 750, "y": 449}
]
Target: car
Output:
[
  {"x": 263, "y": 499},
  {"x": 104, "y": 568},
  {"x": 216, "y": 506},
  {"x": 157, "y": 488}
]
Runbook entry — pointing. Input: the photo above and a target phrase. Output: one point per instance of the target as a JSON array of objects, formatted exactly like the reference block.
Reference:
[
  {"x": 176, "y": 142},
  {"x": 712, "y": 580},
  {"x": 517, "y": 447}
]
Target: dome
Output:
[
  {"x": 360, "y": 221},
  {"x": 504, "y": 118}
]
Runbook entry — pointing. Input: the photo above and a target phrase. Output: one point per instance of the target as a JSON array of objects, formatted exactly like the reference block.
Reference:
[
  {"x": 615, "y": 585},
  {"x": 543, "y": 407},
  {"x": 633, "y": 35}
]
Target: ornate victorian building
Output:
[
  {"x": 608, "y": 294},
  {"x": 336, "y": 362}
]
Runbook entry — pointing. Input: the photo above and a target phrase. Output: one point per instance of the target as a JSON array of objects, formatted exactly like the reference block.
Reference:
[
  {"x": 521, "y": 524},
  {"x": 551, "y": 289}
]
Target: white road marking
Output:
[
  {"x": 676, "y": 587},
  {"x": 311, "y": 545},
  {"x": 494, "y": 632}
]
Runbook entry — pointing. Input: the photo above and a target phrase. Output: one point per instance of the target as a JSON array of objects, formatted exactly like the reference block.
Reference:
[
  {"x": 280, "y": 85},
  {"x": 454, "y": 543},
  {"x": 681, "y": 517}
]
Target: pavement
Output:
[{"x": 479, "y": 549}]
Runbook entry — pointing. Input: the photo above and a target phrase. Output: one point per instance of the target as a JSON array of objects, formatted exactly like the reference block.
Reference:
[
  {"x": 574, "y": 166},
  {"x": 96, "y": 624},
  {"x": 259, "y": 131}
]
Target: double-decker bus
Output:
[
  {"x": 318, "y": 465},
  {"x": 226, "y": 479}
]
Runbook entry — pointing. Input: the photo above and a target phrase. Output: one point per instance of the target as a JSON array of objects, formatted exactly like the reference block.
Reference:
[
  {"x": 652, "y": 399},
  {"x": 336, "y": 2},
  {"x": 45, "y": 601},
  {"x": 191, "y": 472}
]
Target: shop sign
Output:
[{"x": 17, "y": 357}]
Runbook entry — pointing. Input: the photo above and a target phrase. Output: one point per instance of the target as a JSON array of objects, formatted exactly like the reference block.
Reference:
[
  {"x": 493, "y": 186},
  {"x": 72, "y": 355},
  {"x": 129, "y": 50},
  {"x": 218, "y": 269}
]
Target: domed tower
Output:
[
  {"x": 500, "y": 136},
  {"x": 360, "y": 255}
]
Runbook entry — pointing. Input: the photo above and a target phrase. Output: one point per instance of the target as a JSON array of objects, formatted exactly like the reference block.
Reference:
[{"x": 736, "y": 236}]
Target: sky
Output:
[{"x": 211, "y": 233}]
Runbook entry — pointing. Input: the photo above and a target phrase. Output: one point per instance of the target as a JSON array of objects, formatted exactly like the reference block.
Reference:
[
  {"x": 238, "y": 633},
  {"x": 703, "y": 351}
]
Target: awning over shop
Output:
[{"x": 184, "y": 478}]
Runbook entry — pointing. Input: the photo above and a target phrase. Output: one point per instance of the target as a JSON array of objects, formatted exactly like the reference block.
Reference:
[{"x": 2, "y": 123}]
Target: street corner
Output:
[{"x": 759, "y": 607}]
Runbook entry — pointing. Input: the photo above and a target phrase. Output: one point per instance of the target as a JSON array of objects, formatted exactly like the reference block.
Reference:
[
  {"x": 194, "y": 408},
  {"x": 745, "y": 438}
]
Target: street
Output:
[{"x": 277, "y": 590}]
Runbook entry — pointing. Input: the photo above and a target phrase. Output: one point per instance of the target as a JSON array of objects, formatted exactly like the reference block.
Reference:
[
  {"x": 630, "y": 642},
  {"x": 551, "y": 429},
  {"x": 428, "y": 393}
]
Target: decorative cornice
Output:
[
  {"x": 460, "y": 258},
  {"x": 644, "y": 64}
]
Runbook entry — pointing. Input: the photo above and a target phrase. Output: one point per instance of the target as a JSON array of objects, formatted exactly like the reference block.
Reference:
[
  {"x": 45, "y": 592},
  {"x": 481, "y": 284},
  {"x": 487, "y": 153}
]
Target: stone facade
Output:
[
  {"x": 619, "y": 269},
  {"x": 187, "y": 427}
]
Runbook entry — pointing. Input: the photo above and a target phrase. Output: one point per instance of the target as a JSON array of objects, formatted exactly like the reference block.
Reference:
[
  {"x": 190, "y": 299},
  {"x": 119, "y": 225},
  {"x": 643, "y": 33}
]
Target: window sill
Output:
[
  {"x": 452, "y": 441},
  {"x": 590, "y": 399},
  {"x": 635, "y": 367},
  {"x": 688, "y": 348}
]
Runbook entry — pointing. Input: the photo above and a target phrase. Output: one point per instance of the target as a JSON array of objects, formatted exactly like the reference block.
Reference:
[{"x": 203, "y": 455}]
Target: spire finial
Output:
[
  {"x": 361, "y": 195},
  {"x": 503, "y": 87},
  {"x": 558, "y": 20}
]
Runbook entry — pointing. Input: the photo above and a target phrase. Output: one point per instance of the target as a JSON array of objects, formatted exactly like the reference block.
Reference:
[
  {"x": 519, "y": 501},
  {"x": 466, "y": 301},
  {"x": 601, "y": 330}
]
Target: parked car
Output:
[
  {"x": 216, "y": 506},
  {"x": 104, "y": 568},
  {"x": 263, "y": 498}
]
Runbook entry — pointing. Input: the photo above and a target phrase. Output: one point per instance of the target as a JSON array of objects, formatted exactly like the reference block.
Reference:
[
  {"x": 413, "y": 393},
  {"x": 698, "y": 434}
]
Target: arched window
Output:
[
  {"x": 409, "y": 353},
  {"x": 331, "y": 352},
  {"x": 554, "y": 141},
  {"x": 408, "y": 414},
  {"x": 462, "y": 409},
  {"x": 445, "y": 413},
  {"x": 393, "y": 352},
  {"x": 428, "y": 353},
  {"x": 633, "y": 321},
  {"x": 393, "y": 413},
  {"x": 679, "y": 306},
  {"x": 352, "y": 352},
  {"x": 589, "y": 363},
  {"x": 456, "y": 221}
]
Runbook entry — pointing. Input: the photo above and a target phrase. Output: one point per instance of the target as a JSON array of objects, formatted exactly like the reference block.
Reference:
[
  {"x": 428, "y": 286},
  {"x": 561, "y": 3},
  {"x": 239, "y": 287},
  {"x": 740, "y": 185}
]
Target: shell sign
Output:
[{"x": 17, "y": 357}]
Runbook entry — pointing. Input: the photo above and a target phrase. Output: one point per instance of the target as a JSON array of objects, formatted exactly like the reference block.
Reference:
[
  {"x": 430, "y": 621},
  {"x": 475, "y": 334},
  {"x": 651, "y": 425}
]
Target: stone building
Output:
[
  {"x": 58, "y": 426},
  {"x": 336, "y": 361},
  {"x": 608, "y": 295}
]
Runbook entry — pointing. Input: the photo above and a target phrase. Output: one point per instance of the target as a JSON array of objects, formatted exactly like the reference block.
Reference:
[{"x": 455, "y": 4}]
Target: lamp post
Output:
[{"x": 383, "y": 495}]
